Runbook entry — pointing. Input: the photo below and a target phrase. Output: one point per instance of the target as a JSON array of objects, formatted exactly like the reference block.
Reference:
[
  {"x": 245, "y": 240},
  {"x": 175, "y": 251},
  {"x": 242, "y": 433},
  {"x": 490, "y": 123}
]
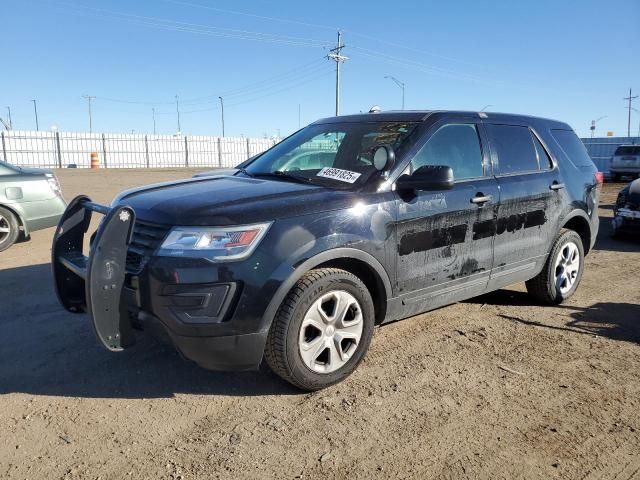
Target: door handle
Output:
[
  {"x": 481, "y": 199},
  {"x": 556, "y": 186}
]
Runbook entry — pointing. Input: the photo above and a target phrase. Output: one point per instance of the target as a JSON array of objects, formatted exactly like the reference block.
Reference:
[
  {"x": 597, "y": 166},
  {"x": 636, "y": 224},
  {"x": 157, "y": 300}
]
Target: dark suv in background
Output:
[{"x": 349, "y": 223}]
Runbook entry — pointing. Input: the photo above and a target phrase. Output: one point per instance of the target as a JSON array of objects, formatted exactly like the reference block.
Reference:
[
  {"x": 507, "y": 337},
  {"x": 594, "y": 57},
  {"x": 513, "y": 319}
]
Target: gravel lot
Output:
[{"x": 496, "y": 387}]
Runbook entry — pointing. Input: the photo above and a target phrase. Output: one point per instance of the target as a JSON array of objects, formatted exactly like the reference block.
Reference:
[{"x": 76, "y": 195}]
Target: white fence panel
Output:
[
  {"x": 63, "y": 149},
  {"x": 30, "y": 149}
]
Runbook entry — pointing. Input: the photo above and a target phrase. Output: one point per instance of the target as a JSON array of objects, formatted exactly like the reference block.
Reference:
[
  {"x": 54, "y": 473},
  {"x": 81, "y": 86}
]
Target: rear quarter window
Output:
[{"x": 572, "y": 147}]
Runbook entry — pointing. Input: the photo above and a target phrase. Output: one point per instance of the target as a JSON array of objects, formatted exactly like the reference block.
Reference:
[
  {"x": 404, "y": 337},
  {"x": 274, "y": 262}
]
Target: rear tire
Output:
[
  {"x": 322, "y": 329},
  {"x": 562, "y": 272},
  {"x": 615, "y": 177},
  {"x": 9, "y": 229}
]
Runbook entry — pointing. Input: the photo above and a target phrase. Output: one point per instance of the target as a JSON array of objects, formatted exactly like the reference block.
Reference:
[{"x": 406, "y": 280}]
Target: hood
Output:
[{"x": 230, "y": 200}]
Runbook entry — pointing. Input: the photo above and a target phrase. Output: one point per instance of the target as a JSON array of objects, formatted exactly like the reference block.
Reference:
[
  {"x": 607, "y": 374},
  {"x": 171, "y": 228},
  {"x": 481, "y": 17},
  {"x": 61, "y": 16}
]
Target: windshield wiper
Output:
[{"x": 244, "y": 170}]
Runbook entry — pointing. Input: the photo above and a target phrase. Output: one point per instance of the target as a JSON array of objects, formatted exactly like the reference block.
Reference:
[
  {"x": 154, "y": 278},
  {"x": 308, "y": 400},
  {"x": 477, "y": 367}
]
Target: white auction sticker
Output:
[{"x": 339, "y": 174}]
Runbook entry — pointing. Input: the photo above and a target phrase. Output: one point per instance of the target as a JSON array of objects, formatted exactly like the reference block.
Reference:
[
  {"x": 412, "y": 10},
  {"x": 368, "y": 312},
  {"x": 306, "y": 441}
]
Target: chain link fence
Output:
[{"x": 64, "y": 149}]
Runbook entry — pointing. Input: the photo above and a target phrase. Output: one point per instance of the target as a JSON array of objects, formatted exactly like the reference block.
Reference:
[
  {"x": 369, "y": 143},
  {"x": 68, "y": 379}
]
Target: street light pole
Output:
[
  {"x": 153, "y": 112},
  {"x": 400, "y": 84},
  {"x": 35, "y": 110},
  {"x": 593, "y": 125},
  {"x": 222, "y": 109}
]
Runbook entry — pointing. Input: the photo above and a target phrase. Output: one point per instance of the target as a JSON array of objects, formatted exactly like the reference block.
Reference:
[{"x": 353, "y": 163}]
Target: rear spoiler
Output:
[{"x": 94, "y": 283}]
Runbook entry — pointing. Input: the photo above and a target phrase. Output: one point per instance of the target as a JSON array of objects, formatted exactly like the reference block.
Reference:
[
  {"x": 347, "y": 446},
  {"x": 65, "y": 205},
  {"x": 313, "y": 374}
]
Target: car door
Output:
[
  {"x": 531, "y": 199},
  {"x": 442, "y": 255}
]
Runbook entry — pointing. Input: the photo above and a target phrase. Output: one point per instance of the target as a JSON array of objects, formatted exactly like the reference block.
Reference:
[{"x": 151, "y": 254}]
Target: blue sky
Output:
[{"x": 570, "y": 60}]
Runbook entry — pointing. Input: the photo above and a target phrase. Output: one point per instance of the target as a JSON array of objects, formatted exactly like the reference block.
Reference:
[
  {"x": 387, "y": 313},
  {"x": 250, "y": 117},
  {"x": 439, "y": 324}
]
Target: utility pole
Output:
[
  {"x": 336, "y": 56},
  {"x": 35, "y": 110},
  {"x": 153, "y": 112},
  {"x": 9, "y": 118},
  {"x": 89, "y": 98},
  {"x": 222, "y": 108},
  {"x": 178, "y": 112},
  {"x": 298, "y": 115},
  {"x": 630, "y": 98},
  {"x": 400, "y": 84}
]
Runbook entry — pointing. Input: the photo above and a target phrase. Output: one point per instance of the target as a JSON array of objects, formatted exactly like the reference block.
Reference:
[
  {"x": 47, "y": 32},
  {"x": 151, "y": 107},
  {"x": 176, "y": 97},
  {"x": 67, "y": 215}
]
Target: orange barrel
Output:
[{"x": 95, "y": 161}]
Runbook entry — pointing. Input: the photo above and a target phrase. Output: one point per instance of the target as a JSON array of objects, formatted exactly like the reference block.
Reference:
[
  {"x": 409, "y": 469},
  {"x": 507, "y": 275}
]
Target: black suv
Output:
[{"x": 349, "y": 223}]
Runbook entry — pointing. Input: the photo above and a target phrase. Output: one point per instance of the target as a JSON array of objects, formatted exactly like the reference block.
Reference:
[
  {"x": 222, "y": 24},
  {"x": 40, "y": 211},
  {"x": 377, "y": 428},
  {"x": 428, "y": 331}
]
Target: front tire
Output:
[
  {"x": 562, "y": 272},
  {"x": 322, "y": 330},
  {"x": 9, "y": 229}
]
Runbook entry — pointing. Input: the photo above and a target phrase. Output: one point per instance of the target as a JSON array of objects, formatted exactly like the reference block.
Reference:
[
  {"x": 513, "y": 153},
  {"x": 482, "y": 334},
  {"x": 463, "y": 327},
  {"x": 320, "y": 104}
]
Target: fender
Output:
[{"x": 313, "y": 262}]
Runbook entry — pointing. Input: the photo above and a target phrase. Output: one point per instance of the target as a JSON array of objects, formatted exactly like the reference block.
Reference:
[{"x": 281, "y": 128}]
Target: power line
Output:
[
  {"x": 192, "y": 27},
  {"x": 253, "y": 15},
  {"x": 264, "y": 84},
  {"x": 398, "y": 83},
  {"x": 328, "y": 27},
  {"x": 302, "y": 71},
  {"x": 419, "y": 66}
]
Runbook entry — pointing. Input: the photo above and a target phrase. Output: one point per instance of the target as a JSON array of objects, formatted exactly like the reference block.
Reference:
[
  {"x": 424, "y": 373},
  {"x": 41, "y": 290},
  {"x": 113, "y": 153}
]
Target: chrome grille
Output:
[{"x": 146, "y": 238}]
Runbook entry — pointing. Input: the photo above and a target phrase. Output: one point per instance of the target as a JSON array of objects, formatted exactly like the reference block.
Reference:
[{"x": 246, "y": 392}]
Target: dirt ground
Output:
[{"x": 496, "y": 387}]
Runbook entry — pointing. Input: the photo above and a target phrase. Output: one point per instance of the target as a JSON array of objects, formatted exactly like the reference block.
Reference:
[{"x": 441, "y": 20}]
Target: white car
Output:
[{"x": 626, "y": 161}]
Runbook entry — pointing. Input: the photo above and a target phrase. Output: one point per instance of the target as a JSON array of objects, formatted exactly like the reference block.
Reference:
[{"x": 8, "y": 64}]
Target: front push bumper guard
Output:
[{"x": 94, "y": 283}]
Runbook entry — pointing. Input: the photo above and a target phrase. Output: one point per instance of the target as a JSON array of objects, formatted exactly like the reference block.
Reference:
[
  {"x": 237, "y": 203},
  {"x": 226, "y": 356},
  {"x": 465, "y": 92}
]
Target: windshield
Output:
[
  {"x": 7, "y": 168},
  {"x": 628, "y": 150},
  {"x": 333, "y": 154}
]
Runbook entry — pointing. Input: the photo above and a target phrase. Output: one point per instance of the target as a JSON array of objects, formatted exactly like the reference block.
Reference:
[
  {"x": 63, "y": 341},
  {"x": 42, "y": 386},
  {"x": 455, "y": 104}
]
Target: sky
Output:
[{"x": 569, "y": 60}]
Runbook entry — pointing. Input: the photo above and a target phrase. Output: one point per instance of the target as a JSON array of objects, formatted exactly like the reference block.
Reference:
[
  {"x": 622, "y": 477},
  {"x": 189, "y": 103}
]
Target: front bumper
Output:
[{"x": 192, "y": 302}]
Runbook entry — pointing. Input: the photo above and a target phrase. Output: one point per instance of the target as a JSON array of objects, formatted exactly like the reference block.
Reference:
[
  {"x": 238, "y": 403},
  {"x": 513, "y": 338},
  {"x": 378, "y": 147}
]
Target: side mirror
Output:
[
  {"x": 428, "y": 177},
  {"x": 384, "y": 158}
]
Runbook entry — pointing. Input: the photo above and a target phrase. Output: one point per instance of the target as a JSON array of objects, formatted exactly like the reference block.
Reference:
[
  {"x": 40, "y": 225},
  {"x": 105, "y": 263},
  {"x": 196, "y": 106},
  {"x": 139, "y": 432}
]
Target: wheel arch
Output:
[
  {"x": 579, "y": 223},
  {"x": 358, "y": 262},
  {"x": 21, "y": 221}
]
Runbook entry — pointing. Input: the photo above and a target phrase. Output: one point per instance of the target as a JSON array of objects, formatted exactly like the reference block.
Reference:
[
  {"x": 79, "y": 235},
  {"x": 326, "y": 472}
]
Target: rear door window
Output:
[
  {"x": 514, "y": 147},
  {"x": 573, "y": 147}
]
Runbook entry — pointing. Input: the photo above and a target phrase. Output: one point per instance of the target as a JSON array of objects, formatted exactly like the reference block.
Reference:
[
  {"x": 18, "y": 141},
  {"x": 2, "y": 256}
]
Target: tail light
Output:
[
  {"x": 52, "y": 180},
  {"x": 599, "y": 177}
]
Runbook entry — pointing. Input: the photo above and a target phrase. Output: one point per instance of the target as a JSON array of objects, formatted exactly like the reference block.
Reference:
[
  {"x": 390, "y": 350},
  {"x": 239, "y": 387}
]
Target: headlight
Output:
[{"x": 214, "y": 243}]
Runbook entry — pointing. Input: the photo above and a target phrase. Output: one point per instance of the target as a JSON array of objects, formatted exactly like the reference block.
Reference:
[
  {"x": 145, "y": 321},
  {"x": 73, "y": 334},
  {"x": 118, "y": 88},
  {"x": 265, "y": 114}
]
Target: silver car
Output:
[
  {"x": 30, "y": 199},
  {"x": 626, "y": 161}
]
